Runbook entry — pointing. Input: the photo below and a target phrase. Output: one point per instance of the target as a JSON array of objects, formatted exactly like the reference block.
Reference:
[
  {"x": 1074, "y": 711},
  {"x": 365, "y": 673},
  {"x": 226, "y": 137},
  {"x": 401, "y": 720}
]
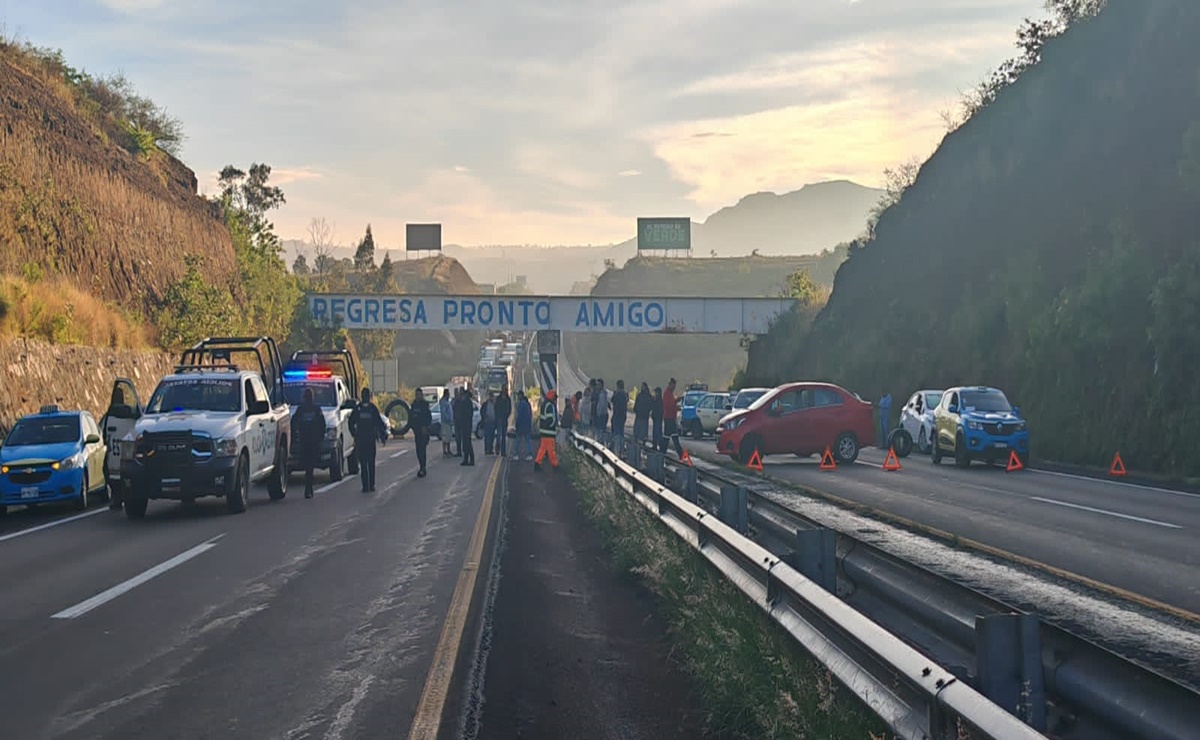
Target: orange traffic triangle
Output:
[
  {"x": 685, "y": 458},
  {"x": 890, "y": 462},
  {"x": 1014, "y": 462},
  {"x": 827, "y": 461},
  {"x": 755, "y": 462},
  {"x": 1118, "y": 466}
]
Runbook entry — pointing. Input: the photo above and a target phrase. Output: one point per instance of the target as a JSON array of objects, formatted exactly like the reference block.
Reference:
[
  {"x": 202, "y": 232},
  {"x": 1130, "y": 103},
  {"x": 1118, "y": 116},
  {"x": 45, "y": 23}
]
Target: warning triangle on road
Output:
[
  {"x": 891, "y": 463},
  {"x": 827, "y": 461},
  {"x": 685, "y": 458},
  {"x": 755, "y": 462},
  {"x": 1014, "y": 462},
  {"x": 1118, "y": 467}
]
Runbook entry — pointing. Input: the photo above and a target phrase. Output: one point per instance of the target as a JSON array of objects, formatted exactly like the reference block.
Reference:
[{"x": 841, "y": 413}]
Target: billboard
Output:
[
  {"x": 585, "y": 314},
  {"x": 423, "y": 237},
  {"x": 664, "y": 233}
]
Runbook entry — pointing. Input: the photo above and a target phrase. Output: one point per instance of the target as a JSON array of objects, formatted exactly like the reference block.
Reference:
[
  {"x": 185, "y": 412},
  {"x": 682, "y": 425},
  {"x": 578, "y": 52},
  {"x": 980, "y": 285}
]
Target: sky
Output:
[{"x": 537, "y": 121}]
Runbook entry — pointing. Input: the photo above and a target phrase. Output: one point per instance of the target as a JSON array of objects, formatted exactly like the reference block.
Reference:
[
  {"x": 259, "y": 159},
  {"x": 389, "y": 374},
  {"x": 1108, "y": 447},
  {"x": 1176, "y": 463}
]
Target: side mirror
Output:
[
  {"x": 1017, "y": 411},
  {"x": 952, "y": 409},
  {"x": 91, "y": 439},
  {"x": 729, "y": 407},
  {"x": 259, "y": 408}
]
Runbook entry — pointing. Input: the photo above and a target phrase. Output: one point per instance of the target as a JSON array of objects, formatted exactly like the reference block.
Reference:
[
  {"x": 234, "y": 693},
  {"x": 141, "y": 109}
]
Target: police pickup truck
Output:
[
  {"x": 332, "y": 376},
  {"x": 211, "y": 428}
]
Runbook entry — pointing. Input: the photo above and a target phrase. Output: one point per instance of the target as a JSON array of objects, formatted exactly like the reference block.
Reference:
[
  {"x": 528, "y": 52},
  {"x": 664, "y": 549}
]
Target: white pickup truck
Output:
[
  {"x": 210, "y": 429},
  {"x": 332, "y": 375}
]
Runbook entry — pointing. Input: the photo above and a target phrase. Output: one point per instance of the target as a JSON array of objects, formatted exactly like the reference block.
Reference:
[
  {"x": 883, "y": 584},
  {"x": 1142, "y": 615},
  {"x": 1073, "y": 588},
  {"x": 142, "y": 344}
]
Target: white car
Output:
[
  {"x": 709, "y": 412},
  {"x": 916, "y": 419}
]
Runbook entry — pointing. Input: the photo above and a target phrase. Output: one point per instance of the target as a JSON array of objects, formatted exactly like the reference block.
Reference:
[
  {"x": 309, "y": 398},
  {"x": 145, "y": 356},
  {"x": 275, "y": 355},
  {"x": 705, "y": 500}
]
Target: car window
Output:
[
  {"x": 954, "y": 400},
  {"x": 786, "y": 402},
  {"x": 324, "y": 394},
  {"x": 195, "y": 394},
  {"x": 933, "y": 399},
  {"x": 43, "y": 431},
  {"x": 827, "y": 397},
  {"x": 989, "y": 400}
]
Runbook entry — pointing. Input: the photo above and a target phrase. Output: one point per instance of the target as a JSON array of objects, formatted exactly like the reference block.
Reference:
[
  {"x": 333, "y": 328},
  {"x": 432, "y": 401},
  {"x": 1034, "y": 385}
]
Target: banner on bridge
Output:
[{"x": 532, "y": 313}]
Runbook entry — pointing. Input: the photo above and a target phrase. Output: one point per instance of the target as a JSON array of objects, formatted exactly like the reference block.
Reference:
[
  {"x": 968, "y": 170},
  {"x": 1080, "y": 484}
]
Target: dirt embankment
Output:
[
  {"x": 36, "y": 373},
  {"x": 76, "y": 204}
]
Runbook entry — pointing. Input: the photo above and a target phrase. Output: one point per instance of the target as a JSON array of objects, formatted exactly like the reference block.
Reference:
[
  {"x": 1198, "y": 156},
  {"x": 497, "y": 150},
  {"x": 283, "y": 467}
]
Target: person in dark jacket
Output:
[
  {"x": 504, "y": 411},
  {"x": 523, "y": 427},
  {"x": 308, "y": 429},
  {"x": 641, "y": 413},
  {"x": 620, "y": 409},
  {"x": 420, "y": 419},
  {"x": 368, "y": 427},
  {"x": 464, "y": 413},
  {"x": 656, "y": 419}
]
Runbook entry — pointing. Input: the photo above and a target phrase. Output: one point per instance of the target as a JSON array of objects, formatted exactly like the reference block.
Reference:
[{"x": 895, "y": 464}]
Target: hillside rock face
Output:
[
  {"x": 78, "y": 205},
  {"x": 37, "y": 373},
  {"x": 1048, "y": 247}
]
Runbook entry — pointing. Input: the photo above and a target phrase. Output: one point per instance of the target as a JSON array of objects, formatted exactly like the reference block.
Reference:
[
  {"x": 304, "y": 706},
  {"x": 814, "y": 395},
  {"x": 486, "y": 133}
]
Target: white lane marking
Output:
[
  {"x": 104, "y": 597},
  {"x": 1106, "y": 512},
  {"x": 1125, "y": 484},
  {"x": 48, "y": 525},
  {"x": 330, "y": 486},
  {"x": 398, "y": 454}
]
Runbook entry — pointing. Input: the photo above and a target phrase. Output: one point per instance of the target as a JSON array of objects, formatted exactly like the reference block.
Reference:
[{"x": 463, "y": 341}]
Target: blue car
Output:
[
  {"x": 52, "y": 456},
  {"x": 978, "y": 423}
]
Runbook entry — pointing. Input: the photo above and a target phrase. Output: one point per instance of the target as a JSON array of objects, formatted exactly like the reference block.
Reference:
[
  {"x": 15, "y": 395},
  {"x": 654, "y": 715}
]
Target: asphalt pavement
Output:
[
  {"x": 297, "y": 619},
  {"x": 1139, "y": 539}
]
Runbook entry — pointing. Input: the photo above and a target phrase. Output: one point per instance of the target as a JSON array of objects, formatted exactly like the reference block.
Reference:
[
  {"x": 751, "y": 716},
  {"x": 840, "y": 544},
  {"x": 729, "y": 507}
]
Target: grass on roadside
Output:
[
  {"x": 754, "y": 679},
  {"x": 54, "y": 310}
]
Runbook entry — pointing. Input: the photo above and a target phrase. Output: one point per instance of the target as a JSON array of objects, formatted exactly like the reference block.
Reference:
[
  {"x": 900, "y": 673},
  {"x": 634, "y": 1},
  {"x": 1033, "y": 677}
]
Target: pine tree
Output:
[
  {"x": 384, "y": 274},
  {"x": 364, "y": 256}
]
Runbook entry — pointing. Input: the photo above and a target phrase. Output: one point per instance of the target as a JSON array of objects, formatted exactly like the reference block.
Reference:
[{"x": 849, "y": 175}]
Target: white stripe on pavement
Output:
[
  {"x": 48, "y": 525},
  {"x": 330, "y": 486},
  {"x": 398, "y": 454},
  {"x": 1126, "y": 484},
  {"x": 1106, "y": 512},
  {"x": 104, "y": 597}
]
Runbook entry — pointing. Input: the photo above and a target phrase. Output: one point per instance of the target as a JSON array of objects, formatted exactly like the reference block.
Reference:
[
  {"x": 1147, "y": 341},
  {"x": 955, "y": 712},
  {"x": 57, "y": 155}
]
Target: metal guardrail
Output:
[
  {"x": 1051, "y": 677},
  {"x": 916, "y": 697}
]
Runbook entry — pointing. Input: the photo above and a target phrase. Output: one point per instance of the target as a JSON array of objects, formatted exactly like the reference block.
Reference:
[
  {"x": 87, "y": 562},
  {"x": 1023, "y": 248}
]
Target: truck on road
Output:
[{"x": 211, "y": 428}]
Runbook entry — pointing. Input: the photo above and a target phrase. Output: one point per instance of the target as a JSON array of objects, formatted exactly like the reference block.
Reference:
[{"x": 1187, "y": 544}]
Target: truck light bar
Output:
[{"x": 313, "y": 373}]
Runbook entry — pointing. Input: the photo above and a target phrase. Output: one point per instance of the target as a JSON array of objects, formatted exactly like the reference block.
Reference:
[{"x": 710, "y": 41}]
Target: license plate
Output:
[
  {"x": 29, "y": 492},
  {"x": 1002, "y": 445},
  {"x": 170, "y": 484}
]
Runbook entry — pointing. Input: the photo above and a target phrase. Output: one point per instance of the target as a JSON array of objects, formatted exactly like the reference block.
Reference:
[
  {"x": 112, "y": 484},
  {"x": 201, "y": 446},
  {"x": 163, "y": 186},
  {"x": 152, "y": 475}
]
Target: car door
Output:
[
  {"x": 782, "y": 427},
  {"x": 946, "y": 419},
  {"x": 256, "y": 427},
  {"x": 910, "y": 417},
  {"x": 94, "y": 451},
  {"x": 124, "y": 410},
  {"x": 704, "y": 410},
  {"x": 825, "y": 418}
]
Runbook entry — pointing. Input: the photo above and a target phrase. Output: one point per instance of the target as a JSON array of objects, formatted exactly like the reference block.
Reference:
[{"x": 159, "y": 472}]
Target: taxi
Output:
[{"x": 52, "y": 456}]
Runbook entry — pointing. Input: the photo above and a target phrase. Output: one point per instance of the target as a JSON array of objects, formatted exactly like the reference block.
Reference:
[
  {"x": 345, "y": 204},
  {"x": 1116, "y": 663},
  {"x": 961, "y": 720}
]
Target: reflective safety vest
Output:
[{"x": 548, "y": 419}]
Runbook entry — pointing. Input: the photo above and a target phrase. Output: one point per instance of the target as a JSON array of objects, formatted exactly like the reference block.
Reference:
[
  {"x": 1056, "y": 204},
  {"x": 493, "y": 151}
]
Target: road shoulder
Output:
[{"x": 576, "y": 649}]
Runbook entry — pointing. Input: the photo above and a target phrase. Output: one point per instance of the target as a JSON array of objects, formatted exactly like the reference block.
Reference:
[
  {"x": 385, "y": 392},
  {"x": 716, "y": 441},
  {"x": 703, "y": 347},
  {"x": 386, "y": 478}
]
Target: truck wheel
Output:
[
  {"x": 335, "y": 465},
  {"x": 80, "y": 504},
  {"x": 135, "y": 506},
  {"x": 237, "y": 499},
  {"x": 277, "y": 486},
  {"x": 399, "y": 423}
]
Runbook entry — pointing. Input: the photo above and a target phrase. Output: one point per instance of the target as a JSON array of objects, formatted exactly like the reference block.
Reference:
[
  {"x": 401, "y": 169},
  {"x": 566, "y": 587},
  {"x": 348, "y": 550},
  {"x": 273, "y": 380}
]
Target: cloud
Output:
[
  {"x": 288, "y": 175},
  {"x": 132, "y": 6},
  {"x": 629, "y": 173}
]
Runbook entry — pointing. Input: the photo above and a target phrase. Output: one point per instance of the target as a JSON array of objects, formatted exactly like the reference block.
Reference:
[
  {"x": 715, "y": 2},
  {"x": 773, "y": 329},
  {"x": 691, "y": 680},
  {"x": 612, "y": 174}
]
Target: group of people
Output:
[
  {"x": 655, "y": 413},
  {"x": 495, "y": 413}
]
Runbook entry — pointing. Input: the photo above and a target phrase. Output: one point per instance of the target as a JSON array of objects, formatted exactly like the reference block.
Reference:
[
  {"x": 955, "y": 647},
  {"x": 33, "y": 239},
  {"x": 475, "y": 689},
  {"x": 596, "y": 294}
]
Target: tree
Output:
[
  {"x": 806, "y": 290},
  {"x": 383, "y": 276},
  {"x": 248, "y": 196},
  {"x": 300, "y": 265},
  {"x": 896, "y": 181},
  {"x": 364, "y": 256},
  {"x": 320, "y": 236},
  {"x": 192, "y": 308}
]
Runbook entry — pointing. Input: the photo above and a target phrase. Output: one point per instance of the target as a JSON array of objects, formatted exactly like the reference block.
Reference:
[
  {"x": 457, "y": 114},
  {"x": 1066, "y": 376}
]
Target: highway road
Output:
[
  {"x": 1139, "y": 539},
  {"x": 298, "y": 619}
]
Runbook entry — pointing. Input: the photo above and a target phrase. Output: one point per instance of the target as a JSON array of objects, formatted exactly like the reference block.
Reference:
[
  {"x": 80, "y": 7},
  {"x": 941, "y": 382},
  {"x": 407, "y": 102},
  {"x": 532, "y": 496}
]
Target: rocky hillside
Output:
[
  {"x": 1049, "y": 247},
  {"x": 73, "y": 202}
]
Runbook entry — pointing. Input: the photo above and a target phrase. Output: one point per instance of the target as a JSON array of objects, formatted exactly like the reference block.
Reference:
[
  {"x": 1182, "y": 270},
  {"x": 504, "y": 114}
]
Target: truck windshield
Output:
[
  {"x": 196, "y": 394},
  {"x": 323, "y": 393},
  {"x": 52, "y": 430}
]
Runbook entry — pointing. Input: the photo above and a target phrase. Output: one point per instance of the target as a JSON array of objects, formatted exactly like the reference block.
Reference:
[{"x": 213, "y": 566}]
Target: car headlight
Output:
[
  {"x": 69, "y": 463},
  {"x": 331, "y": 434},
  {"x": 734, "y": 423},
  {"x": 1020, "y": 426},
  {"x": 128, "y": 448},
  {"x": 4, "y": 469},
  {"x": 225, "y": 447},
  {"x": 976, "y": 425}
]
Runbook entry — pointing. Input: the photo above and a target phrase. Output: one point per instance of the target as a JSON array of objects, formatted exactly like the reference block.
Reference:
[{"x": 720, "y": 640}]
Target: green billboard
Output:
[{"x": 664, "y": 233}]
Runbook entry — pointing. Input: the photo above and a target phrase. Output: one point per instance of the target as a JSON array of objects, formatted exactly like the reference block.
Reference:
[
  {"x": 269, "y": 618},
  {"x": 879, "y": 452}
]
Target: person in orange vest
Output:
[{"x": 548, "y": 429}]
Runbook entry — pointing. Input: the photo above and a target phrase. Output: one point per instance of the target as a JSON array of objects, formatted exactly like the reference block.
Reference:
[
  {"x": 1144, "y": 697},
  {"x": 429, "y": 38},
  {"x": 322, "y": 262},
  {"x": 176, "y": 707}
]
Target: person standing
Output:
[
  {"x": 420, "y": 419},
  {"x": 600, "y": 399},
  {"x": 567, "y": 420},
  {"x": 487, "y": 415},
  {"x": 308, "y": 429},
  {"x": 656, "y": 419},
  {"x": 548, "y": 429},
  {"x": 464, "y": 412},
  {"x": 368, "y": 427},
  {"x": 523, "y": 426},
  {"x": 641, "y": 413},
  {"x": 586, "y": 407},
  {"x": 504, "y": 411},
  {"x": 620, "y": 409},
  {"x": 885, "y": 418},
  {"x": 671, "y": 418},
  {"x": 446, "y": 412}
]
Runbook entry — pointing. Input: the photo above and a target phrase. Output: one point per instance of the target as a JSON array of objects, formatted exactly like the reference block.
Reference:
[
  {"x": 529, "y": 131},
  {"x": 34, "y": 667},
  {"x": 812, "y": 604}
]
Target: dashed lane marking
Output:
[
  {"x": 104, "y": 597},
  {"x": 1106, "y": 512}
]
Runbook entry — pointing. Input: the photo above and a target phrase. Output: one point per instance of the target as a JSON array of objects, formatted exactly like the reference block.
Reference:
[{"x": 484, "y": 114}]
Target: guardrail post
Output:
[
  {"x": 635, "y": 457},
  {"x": 655, "y": 466},
  {"x": 815, "y": 556},
  {"x": 686, "y": 483},
  {"x": 1008, "y": 652},
  {"x": 734, "y": 511}
]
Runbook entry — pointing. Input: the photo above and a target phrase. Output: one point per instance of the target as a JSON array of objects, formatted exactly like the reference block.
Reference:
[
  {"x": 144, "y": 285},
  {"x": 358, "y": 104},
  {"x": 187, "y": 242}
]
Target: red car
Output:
[{"x": 802, "y": 419}]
